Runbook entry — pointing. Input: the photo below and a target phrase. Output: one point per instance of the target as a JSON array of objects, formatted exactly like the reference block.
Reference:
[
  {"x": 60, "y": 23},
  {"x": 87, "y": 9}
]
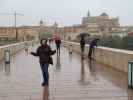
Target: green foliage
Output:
[
  {"x": 128, "y": 42},
  {"x": 113, "y": 41},
  {"x": 117, "y": 42}
]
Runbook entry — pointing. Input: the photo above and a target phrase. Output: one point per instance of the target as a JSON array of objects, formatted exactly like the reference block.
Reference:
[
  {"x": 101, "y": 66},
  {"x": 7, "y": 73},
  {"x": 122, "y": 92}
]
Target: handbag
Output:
[{"x": 51, "y": 60}]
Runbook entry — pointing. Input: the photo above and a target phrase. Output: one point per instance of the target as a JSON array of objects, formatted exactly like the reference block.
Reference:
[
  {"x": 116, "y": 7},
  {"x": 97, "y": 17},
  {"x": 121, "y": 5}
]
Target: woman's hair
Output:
[{"x": 43, "y": 39}]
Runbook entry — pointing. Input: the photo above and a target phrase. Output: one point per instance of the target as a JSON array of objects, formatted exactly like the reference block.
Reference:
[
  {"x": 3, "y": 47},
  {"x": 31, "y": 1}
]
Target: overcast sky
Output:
[{"x": 65, "y": 12}]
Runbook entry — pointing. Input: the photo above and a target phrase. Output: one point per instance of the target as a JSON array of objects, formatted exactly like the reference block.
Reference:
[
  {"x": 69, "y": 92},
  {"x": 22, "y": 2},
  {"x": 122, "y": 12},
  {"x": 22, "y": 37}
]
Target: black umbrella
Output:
[{"x": 83, "y": 35}]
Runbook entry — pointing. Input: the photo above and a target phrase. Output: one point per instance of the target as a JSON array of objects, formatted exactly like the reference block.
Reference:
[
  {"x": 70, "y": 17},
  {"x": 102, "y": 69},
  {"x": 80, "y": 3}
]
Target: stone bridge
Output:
[{"x": 71, "y": 78}]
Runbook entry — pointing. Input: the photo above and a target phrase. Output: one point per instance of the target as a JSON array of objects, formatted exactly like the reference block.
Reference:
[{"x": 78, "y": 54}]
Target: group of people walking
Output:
[
  {"x": 92, "y": 46},
  {"x": 45, "y": 53}
]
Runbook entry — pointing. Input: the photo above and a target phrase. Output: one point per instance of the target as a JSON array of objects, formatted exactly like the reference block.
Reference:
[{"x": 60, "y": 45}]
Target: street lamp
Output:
[
  {"x": 130, "y": 74},
  {"x": 7, "y": 56},
  {"x": 15, "y": 16},
  {"x": 41, "y": 24},
  {"x": 15, "y": 21}
]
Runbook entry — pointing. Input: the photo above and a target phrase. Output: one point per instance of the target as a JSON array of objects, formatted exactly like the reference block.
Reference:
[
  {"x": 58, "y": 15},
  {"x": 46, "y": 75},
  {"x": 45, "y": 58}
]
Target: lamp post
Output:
[
  {"x": 7, "y": 56},
  {"x": 130, "y": 74},
  {"x": 41, "y": 24},
  {"x": 23, "y": 34},
  {"x": 15, "y": 21}
]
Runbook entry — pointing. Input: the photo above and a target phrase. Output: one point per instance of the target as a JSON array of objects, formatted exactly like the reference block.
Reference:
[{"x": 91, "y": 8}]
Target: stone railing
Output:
[
  {"x": 14, "y": 48},
  {"x": 115, "y": 58}
]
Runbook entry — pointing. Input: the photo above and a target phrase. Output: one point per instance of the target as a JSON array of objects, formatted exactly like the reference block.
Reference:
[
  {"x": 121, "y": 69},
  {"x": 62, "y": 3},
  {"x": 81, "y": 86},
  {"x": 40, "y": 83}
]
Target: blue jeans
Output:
[{"x": 44, "y": 68}]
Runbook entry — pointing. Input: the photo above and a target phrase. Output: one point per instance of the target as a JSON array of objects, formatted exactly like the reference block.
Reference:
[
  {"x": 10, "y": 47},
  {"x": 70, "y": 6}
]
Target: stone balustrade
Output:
[
  {"x": 111, "y": 57},
  {"x": 14, "y": 48}
]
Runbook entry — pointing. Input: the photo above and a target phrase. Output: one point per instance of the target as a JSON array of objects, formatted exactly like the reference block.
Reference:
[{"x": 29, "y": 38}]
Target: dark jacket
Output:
[
  {"x": 58, "y": 42},
  {"x": 82, "y": 43},
  {"x": 44, "y": 53},
  {"x": 94, "y": 43}
]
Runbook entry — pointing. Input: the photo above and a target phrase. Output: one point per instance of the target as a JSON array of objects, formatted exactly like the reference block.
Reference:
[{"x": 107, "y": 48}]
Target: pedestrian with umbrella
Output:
[
  {"x": 58, "y": 43},
  {"x": 92, "y": 46},
  {"x": 82, "y": 41}
]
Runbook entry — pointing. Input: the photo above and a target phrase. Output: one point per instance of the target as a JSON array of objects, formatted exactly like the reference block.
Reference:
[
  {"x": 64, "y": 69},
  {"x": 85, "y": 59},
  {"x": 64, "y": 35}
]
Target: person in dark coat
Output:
[
  {"x": 26, "y": 47},
  {"x": 82, "y": 44},
  {"x": 58, "y": 43},
  {"x": 44, "y": 53},
  {"x": 92, "y": 46}
]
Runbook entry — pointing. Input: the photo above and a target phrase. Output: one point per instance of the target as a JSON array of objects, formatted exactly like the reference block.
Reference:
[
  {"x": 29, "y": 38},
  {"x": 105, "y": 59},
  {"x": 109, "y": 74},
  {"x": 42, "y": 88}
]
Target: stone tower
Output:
[
  {"x": 55, "y": 25},
  {"x": 41, "y": 23},
  {"x": 88, "y": 14}
]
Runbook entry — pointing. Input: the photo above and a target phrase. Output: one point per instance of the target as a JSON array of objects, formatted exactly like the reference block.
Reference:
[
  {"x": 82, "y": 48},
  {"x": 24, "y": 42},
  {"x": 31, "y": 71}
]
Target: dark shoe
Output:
[{"x": 43, "y": 84}]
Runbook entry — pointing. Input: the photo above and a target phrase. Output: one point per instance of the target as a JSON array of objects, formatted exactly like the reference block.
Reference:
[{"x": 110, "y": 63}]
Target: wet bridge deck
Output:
[{"x": 71, "y": 78}]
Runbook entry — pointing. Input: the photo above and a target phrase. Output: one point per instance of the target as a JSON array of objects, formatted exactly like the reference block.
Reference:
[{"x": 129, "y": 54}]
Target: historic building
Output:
[
  {"x": 94, "y": 25},
  {"x": 7, "y": 31},
  {"x": 22, "y": 33},
  {"x": 103, "y": 24},
  {"x": 70, "y": 32}
]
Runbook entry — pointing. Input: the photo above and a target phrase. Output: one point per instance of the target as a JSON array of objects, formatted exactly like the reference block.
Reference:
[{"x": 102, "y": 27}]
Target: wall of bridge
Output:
[
  {"x": 115, "y": 58},
  {"x": 14, "y": 48}
]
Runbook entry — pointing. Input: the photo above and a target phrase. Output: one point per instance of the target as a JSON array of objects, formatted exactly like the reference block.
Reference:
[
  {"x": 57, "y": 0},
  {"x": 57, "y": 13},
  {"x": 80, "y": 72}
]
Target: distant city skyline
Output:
[{"x": 65, "y": 12}]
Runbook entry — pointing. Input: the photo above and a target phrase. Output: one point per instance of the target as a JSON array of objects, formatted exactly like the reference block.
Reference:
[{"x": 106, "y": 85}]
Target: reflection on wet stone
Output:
[
  {"x": 7, "y": 69},
  {"x": 75, "y": 81},
  {"x": 58, "y": 64},
  {"x": 46, "y": 93},
  {"x": 92, "y": 69},
  {"x": 82, "y": 71},
  {"x": 58, "y": 59},
  {"x": 1, "y": 67},
  {"x": 84, "y": 80},
  {"x": 70, "y": 57}
]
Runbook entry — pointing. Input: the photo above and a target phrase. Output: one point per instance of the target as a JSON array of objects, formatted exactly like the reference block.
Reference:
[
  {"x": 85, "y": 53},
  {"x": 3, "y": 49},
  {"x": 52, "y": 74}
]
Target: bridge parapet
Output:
[
  {"x": 14, "y": 48},
  {"x": 115, "y": 58}
]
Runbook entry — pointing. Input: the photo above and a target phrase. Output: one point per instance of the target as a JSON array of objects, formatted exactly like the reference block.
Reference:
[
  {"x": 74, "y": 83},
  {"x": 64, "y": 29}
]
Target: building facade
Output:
[
  {"x": 103, "y": 24},
  {"x": 93, "y": 25}
]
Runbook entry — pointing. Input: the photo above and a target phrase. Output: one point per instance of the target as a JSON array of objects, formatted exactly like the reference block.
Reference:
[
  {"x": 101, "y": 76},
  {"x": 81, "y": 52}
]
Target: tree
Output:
[{"x": 128, "y": 42}]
